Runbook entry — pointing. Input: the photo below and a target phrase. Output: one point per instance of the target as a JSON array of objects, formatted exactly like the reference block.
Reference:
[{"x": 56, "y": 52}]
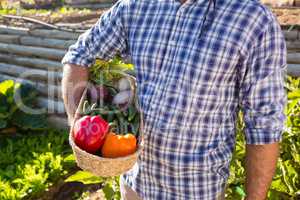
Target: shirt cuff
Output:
[
  {"x": 261, "y": 136},
  {"x": 77, "y": 59}
]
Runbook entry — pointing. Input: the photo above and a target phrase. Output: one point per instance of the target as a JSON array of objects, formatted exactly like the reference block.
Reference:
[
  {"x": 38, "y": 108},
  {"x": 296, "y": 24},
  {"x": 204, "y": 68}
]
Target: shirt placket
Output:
[{"x": 170, "y": 52}]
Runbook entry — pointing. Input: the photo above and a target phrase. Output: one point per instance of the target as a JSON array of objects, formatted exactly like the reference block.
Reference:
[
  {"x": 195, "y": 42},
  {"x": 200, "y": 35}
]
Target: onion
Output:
[
  {"x": 123, "y": 84},
  {"x": 93, "y": 94},
  {"x": 122, "y": 97},
  {"x": 97, "y": 93}
]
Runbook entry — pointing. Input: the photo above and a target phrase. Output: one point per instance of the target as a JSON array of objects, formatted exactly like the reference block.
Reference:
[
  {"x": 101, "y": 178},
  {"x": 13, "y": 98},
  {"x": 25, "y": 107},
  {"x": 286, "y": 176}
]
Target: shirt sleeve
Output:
[
  {"x": 104, "y": 40},
  {"x": 262, "y": 93}
]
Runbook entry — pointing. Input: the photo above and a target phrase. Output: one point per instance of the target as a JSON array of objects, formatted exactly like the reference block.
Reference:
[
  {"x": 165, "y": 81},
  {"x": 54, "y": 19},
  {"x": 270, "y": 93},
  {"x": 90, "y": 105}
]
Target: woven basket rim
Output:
[{"x": 73, "y": 144}]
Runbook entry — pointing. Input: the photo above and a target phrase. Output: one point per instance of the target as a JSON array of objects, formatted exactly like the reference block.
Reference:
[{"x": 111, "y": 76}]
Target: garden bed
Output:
[{"x": 41, "y": 162}]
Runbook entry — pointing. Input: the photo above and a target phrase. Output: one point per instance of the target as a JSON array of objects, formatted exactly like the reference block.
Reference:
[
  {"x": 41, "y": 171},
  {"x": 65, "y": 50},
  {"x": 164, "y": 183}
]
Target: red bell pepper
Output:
[{"x": 89, "y": 133}]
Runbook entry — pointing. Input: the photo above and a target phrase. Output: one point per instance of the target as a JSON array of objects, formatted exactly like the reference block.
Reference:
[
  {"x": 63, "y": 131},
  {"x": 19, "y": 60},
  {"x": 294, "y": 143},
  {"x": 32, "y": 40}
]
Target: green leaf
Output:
[
  {"x": 131, "y": 113},
  {"x": 294, "y": 94},
  {"x": 3, "y": 123},
  {"x": 27, "y": 121},
  {"x": 278, "y": 186},
  {"x": 6, "y": 86},
  {"x": 3, "y": 106},
  {"x": 240, "y": 191},
  {"x": 84, "y": 177},
  {"x": 69, "y": 158},
  {"x": 108, "y": 191},
  {"x": 27, "y": 94},
  {"x": 292, "y": 105}
]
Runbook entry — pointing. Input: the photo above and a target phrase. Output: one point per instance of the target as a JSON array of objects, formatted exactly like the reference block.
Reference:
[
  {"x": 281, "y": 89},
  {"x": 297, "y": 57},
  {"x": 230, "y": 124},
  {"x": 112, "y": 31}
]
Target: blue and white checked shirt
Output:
[{"x": 197, "y": 63}]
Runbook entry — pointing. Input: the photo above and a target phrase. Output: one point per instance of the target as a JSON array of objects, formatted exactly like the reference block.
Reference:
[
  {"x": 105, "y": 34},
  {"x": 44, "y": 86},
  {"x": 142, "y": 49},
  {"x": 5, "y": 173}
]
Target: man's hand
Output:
[
  {"x": 73, "y": 83},
  {"x": 260, "y": 168}
]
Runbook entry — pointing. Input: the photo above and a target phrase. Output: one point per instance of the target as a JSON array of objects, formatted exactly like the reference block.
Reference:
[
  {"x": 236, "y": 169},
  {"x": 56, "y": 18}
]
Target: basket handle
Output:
[
  {"x": 133, "y": 87},
  {"x": 79, "y": 109}
]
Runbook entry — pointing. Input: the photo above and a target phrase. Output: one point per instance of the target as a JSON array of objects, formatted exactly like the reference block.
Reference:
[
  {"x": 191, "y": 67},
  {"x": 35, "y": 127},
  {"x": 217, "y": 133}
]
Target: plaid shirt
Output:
[{"x": 197, "y": 64}]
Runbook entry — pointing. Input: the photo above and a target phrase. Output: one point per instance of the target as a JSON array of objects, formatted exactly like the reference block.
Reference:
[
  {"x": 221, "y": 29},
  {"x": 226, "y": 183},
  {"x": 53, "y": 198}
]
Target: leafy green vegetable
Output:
[
  {"x": 12, "y": 97},
  {"x": 30, "y": 164},
  {"x": 84, "y": 177},
  {"x": 106, "y": 72},
  {"x": 27, "y": 121}
]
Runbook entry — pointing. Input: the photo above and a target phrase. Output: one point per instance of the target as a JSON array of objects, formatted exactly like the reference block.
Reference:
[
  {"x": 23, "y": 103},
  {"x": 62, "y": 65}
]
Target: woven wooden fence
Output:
[
  {"x": 38, "y": 52},
  {"x": 34, "y": 56}
]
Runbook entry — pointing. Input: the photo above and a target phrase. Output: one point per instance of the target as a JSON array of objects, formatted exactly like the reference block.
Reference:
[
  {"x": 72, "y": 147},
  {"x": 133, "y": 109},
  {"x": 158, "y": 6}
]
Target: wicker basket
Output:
[
  {"x": 104, "y": 167},
  {"x": 99, "y": 166}
]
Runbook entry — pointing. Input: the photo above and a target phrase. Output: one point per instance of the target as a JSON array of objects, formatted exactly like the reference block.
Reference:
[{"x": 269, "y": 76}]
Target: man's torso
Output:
[{"x": 188, "y": 73}]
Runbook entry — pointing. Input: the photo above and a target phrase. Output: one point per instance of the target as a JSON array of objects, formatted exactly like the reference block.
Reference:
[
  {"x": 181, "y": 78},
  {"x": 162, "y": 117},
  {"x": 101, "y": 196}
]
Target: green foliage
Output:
[
  {"x": 10, "y": 112},
  {"x": 105, "y": 72},
  {"x": 111, "y": 187},
  {"x": 30, "y": 164},
  {"x": 84, "y": 177},
  {"x": 286, "y": 182}
]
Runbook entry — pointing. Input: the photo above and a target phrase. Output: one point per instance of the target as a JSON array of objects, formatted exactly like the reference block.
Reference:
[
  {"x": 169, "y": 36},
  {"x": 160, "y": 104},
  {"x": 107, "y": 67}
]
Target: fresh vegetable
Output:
[
  {"x": 97, "y": 93},
  {"x": 89, "y": 133},
  {"x": 105, "y": 72},
  {"x": 123, "y": 84},
  {"x": 123, "y": 97},
  {"x": 118, "y": 108},
  {"x": 118, "y": 145}
]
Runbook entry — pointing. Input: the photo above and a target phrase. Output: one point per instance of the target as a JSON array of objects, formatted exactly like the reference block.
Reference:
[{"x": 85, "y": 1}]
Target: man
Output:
[{"x": 197, "y": 63}]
